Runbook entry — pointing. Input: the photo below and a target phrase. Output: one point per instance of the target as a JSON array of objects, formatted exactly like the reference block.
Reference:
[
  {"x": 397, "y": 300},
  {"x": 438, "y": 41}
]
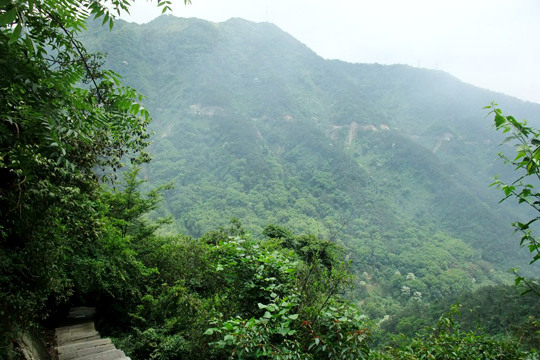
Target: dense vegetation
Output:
[
  {"x": 251, "y": 124},
  {"x": 337, "y": 219},
  {"x": 62, "y": 117}
]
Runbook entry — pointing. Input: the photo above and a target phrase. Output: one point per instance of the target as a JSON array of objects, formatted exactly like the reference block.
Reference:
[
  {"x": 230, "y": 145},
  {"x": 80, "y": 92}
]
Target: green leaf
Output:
[
  {"x": 229, "y": 338},
  {"x": 8, "y": 17},
  {"x": 15, "y": 34},
  {"x": 508, "y": 190},
  {"x": 536, "y": 153},
  {"x": 293, "y": 316},
  {"x": 31, "y": 46},
  {"x": 499, "y": 120}
]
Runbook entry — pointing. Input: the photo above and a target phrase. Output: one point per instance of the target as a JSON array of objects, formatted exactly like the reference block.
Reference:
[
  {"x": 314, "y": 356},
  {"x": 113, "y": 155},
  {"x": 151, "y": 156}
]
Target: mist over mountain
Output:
[{"x": 393, "y": 161}]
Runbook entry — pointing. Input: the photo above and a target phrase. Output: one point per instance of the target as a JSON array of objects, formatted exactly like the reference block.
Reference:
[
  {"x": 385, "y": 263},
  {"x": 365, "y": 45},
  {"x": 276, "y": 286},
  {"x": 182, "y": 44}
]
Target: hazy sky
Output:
[{"x": 494, "y": 44}]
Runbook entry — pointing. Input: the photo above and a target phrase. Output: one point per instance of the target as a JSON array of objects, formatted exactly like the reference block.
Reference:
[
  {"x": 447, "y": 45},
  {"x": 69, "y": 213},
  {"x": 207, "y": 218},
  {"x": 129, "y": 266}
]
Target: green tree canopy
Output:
[{"x": 62, "y": 118}]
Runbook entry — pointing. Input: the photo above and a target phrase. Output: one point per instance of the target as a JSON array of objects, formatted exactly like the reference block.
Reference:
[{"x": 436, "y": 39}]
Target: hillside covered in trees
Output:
[
  {"x": 294, "y": 207},
  {"x": 394, "y": 162}
]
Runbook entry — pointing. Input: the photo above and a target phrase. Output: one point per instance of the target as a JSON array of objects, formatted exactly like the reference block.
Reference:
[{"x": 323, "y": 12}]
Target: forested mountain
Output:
[{"x": 394, "y": 161}]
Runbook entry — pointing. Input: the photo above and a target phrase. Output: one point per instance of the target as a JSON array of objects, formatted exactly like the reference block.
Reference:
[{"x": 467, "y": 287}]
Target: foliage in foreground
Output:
[
  {"x": 526, "y": 162},
  {"x": 228, "y": 296},
  {"x": 62, "y": 116}
]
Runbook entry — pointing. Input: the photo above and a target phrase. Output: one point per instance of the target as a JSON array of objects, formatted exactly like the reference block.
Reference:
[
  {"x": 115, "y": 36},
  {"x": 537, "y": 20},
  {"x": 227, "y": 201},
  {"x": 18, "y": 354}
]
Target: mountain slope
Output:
[{"x": 392, "y": 160}]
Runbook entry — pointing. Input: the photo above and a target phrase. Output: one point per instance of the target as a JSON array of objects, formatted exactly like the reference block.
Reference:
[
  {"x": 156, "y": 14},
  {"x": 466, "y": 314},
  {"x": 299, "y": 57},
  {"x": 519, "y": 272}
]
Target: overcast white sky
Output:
[{"x": 494, "y": 44}]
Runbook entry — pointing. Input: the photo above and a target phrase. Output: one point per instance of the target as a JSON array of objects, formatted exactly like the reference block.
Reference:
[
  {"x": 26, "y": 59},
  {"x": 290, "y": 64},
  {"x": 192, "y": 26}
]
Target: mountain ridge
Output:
[{"x": 252, "y": 124}]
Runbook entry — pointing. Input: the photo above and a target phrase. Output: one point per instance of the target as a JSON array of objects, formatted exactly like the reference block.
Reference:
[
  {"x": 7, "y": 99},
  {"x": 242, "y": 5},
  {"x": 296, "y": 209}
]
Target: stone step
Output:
[
  {"x": 70, "y": 347},
  {"x": 75, "y": 332},
  {"x": 78, "y": 341},
  {"x": 106, "y": 355},
  {"x": 94, "y": 350},
  {"x": 70, "y": 328},
  {"x": 76, "y": 337},
  {"x": 82, "y": 312}
]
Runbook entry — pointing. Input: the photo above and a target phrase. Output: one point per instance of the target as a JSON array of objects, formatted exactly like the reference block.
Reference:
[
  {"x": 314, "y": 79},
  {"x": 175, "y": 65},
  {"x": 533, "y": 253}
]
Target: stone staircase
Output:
[{"x": 81, "y": 341}]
